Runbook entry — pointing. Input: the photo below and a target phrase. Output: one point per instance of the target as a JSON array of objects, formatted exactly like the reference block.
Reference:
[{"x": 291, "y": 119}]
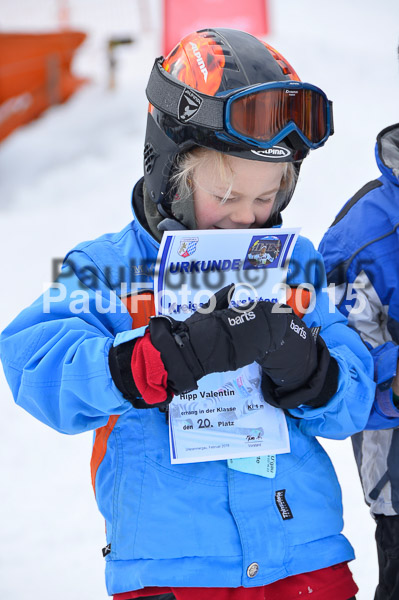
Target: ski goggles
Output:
[{"x": 260, "y": 115}]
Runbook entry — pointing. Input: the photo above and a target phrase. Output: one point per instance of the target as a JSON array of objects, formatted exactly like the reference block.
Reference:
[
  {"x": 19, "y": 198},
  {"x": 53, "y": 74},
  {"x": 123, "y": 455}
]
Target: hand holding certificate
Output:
[{"x": 225, "y": 415}]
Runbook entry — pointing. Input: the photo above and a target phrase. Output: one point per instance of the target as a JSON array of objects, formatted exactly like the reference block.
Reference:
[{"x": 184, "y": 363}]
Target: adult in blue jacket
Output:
[
  {"x": 83, "y": 358},
  {"x": 361, "y": 250}
]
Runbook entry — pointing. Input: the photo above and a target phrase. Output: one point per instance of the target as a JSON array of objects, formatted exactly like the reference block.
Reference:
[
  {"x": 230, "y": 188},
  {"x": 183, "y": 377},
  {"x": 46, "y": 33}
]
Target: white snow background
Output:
[{"x": 68, "y": 177}]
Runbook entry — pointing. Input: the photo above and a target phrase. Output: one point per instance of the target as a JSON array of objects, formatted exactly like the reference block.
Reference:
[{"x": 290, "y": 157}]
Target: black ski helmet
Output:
[{"x": 209, "y": 61}]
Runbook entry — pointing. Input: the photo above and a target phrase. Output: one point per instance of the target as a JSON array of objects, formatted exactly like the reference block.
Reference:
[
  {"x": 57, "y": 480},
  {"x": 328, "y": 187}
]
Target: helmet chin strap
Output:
[
  {"x": 183, "y": 210},
  {"x": 162, "y": 211},
  {"x": 158, "y": 220}
]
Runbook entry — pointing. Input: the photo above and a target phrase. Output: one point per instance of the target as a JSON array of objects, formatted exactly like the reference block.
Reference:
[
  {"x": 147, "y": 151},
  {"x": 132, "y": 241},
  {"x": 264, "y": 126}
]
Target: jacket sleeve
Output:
[
  {"x": 358, "y": 299},
  {"x": 384, "y": 413},
  {"x": 55, "y": 353},
  {"x": 347, "y": 412}
]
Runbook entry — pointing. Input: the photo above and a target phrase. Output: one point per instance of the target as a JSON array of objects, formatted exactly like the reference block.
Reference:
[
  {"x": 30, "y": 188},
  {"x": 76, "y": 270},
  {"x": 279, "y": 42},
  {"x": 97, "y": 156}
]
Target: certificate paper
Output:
[{"x": 226, "y": 417}]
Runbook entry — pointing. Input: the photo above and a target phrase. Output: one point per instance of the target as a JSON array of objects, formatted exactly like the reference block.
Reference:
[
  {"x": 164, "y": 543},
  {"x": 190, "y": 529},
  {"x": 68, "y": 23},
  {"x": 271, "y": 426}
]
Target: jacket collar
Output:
[{"x": 387, "y": 152}]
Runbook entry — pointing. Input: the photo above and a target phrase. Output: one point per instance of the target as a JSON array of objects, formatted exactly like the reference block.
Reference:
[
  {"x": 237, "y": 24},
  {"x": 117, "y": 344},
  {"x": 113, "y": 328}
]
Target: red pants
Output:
[{"x": 332, "y": 583}]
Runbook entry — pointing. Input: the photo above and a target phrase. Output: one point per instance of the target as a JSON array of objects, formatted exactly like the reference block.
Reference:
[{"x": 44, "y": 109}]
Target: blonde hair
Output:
[{"x": 183, "y": 180}]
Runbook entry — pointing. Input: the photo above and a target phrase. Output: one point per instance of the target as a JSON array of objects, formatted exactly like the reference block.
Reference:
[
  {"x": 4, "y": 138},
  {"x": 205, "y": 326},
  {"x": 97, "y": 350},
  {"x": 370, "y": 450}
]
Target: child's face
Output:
[{"x": 249, "y": 204}]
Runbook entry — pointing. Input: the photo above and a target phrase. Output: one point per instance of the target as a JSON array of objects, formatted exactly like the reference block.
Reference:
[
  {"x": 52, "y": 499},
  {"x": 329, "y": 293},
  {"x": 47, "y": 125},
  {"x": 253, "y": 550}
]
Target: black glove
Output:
[
  {"x": 171, "y": 340},
  {"x": 297, "y": 368},
  {"x": 222, "y": 340},
  {"x": 227, "y": 339},
  {"x": 296, "y": 364}
]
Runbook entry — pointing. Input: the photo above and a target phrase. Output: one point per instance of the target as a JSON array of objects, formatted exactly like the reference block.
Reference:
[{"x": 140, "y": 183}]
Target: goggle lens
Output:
[{"x": 262, "y": 115}]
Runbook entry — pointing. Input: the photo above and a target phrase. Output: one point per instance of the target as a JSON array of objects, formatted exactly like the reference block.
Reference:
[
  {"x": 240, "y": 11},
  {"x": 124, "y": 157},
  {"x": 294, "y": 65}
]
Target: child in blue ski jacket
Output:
[
  {"x": 229, "y": 124},
  {"x": 361, "y": 250}
]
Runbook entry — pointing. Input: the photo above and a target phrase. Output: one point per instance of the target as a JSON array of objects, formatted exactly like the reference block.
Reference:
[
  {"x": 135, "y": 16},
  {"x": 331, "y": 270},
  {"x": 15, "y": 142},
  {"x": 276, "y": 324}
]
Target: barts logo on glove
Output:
[
  {"x": 299, "y": 330},
  {"x": 247, "y": 316}
]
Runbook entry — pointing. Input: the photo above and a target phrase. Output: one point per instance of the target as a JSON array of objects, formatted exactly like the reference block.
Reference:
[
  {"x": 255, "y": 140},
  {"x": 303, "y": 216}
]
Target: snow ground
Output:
[{"x": 68, "y": 177}]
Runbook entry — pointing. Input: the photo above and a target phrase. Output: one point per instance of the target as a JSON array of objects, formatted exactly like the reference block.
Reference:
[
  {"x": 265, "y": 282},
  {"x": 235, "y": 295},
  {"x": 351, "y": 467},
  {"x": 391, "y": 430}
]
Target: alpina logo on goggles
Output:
[{"x": 261, "y": 115}]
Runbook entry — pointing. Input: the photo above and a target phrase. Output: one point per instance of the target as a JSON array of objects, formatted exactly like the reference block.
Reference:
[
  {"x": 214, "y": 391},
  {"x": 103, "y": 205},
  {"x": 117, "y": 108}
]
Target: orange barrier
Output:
[
  {"x": 35, "y": 73},
  {"x": 184, "y": 16}
]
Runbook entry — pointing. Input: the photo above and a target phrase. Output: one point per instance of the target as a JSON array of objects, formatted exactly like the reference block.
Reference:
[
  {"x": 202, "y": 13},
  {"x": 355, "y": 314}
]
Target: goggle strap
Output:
[{"x": 168, "y": 95}]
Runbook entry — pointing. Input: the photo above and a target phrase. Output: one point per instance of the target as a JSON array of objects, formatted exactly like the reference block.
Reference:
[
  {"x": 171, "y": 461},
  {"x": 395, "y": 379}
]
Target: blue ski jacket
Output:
[
  {"x": 361, "y": 250},
  {"x": 201, "y": 524}
]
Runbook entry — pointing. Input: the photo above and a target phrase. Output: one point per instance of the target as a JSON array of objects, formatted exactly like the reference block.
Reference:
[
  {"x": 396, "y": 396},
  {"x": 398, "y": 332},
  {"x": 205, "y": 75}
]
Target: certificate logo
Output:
[
  {"x": 187, "y": 247},
  {"x": 263, "y": 251}
]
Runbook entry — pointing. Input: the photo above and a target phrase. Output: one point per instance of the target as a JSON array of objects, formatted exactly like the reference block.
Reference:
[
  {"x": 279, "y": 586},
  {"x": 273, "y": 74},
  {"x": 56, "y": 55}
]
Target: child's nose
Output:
[{"x": 243, "y": 214}]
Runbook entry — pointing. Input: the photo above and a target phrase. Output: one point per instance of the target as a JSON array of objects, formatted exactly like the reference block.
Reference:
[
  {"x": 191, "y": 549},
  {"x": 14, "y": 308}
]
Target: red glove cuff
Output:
[{"x": 148, "y": 371}]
